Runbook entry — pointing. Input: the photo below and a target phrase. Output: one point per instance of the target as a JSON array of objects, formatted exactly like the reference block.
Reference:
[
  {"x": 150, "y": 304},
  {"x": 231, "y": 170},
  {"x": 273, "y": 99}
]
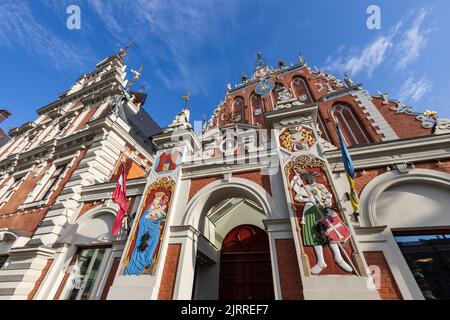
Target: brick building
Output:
[{"x": 232, "y": 212}]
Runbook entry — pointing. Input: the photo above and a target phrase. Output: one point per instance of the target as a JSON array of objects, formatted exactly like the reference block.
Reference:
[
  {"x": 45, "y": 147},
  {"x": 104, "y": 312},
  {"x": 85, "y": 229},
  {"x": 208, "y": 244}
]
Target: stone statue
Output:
[
  {"x": 181, "y": 118},
  {"x": 318, "y": 203},
  {"x": 347, "y": 80}
]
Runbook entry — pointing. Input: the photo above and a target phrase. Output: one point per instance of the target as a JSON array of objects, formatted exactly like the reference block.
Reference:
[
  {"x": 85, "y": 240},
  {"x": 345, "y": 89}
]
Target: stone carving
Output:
[
  {"x": 283, "y": 93},
  {"x": 287, "y": 105},
  {"x": 427, "y": 123},
  {"x": 320, "y": 223},
  {"x": 297, "y": 139},
  {"x": 401, "y": 108},
  {"x": 181, "y": 121},
  {"x": 442, "y": 126},
  {"x": 348, "y": 80}
]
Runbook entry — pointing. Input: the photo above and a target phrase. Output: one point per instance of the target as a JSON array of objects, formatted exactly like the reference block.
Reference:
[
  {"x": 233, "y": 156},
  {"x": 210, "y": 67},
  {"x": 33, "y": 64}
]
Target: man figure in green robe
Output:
[{"x": 318, "y": 203}]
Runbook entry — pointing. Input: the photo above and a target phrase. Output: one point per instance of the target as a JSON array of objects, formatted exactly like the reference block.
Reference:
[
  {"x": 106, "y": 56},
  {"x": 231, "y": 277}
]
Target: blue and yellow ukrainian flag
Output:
[{"x": 348, "y": 165}]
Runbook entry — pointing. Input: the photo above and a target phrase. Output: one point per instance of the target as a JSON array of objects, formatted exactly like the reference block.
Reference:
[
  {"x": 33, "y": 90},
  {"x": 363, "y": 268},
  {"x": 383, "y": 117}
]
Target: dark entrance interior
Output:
[{"x": 245, "y": 268}]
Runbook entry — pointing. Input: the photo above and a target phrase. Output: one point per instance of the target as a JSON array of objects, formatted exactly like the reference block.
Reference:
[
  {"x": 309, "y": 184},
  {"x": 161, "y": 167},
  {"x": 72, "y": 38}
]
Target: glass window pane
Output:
[
  {"x": 83, "y": 273},
  {"x": 428, "y": 257}
]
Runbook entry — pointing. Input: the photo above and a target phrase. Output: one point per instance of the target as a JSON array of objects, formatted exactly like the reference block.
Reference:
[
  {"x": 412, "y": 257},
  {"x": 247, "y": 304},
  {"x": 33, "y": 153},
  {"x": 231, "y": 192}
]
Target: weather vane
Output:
[
  {"x": 123, "y": 51},
  {"x": 143, "y": 87},
  {"x": 260, "y": 62},
  {"x": 186, "y": 99},
  {"x": 137, "y": 75}
]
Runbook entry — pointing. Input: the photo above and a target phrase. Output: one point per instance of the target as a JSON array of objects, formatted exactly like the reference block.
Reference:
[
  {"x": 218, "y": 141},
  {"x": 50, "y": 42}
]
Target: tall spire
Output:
[
  {"x": 260, "y": 62},
  {"x": 123, "y": 51},
  {"x": 301, "y": 59}
]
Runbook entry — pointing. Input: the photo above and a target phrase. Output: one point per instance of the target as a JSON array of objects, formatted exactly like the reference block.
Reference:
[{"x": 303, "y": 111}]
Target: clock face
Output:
[{"x": 264, "y": 88}]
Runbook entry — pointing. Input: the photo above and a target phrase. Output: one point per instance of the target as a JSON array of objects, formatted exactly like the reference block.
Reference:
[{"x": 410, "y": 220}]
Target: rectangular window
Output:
[
  {"x": 428, "y": 257},
  {"x": 83, "y": 273},
  {"x": 48, "y": 187},
  {"x": 10, "y": 191}
]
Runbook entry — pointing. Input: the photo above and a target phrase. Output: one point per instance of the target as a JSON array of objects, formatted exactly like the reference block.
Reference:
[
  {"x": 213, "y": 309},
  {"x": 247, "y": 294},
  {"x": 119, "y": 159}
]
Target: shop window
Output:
[{"x": 428, "y": 257}]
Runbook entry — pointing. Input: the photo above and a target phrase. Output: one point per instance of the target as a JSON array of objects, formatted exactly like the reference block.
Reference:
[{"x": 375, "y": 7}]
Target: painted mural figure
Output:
[
  {"x": 148, "y": 235},
  {"x": 318, "y": 203}
]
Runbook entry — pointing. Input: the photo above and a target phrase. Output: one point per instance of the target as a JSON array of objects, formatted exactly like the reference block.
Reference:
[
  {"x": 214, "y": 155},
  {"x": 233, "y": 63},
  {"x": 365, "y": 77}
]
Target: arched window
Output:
[
  {"x": 238, "y": 110},
  {"x": 351, "y": 129},
  {"x": 300, "y": 90},
  {"x": 257, "y": 108}
]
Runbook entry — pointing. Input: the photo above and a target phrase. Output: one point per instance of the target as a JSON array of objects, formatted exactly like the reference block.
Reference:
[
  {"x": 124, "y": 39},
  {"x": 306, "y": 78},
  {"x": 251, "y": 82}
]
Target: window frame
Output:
[
  {"x": 100, "y": 279},
  {"x": 342, "y": 107}
]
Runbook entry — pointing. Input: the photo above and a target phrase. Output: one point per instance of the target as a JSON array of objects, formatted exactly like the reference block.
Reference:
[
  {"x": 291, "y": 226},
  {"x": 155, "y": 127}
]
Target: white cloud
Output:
[
  {"x": 170, "y": 32},
  {"x": 19, "y": 28},
  {"x": 413, "y": 41},
  {"x": 366, "y": 60},
  {"x": 413, "y": 90},
  {"x": 399, "y": 46}
]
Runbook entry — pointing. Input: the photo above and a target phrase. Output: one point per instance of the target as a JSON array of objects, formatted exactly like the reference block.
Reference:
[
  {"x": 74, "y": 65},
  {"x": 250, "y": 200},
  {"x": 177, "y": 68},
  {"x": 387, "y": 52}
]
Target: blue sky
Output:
[{"x": 202, "y": 44}]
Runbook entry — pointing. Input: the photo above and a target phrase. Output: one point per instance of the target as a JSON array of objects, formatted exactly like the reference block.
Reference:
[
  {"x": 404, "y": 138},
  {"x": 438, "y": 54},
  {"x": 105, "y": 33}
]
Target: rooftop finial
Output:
[
  {"x": 347, "y": 79},
  {"x": 260, "y": 62},
  {"x": 186, "y": 99},
  {"x": 301, "y": 59},
  {"x": 123, "y": 51},
  {"x": 137, "y": 75}
]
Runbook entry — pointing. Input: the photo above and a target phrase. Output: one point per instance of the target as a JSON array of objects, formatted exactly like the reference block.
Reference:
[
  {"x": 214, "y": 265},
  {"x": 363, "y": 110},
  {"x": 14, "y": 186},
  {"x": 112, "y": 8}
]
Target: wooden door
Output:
[{"x": 245, "y": 268}]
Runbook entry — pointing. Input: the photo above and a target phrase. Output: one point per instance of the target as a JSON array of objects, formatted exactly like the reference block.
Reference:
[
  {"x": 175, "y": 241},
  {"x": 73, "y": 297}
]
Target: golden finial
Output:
[
  {"x": 187, "y": 96},
  {"x": 137, "y": 75},
  {"x": 430, "y": 114},
  {"x": 186, "y": 99}
]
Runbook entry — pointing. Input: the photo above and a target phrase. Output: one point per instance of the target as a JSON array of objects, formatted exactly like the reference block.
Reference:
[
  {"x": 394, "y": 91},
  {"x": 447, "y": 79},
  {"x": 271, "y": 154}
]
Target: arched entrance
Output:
[{"x": 245, "y": 268}]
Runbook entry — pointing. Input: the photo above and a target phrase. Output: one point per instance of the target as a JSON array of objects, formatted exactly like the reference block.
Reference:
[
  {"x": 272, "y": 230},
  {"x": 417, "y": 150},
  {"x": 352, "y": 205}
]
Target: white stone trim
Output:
[
  {"x": 373, "y": 190},
  {"x": 366, "y": 104}
]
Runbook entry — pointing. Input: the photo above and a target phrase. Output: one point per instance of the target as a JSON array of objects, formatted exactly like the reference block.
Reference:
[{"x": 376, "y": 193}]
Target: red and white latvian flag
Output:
[{"x": 120, "y": 197}]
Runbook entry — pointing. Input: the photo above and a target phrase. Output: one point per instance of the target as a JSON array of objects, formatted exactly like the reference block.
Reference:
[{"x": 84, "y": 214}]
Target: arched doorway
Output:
[{"x": 245, "y": 268}]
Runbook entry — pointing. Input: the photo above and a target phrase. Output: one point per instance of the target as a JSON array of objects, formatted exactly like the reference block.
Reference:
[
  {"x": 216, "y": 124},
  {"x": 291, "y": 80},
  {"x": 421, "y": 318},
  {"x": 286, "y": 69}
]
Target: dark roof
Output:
[
  {"x": 3, "y": 138},
  {"x": 4, "y": 114},
  {"x": 141, "y": 122}
]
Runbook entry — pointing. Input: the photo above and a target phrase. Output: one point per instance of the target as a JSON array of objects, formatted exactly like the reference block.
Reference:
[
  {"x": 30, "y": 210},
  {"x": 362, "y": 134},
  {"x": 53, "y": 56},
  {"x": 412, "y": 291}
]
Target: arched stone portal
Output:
[{"x": 211, "y": 215}]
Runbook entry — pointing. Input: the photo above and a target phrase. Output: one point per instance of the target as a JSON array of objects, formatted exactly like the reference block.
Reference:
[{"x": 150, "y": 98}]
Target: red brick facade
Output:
[
  {"x": 388, "y": 289},
  {"x": 404, "y": 125},
  {"x": 25, "y": 187},
  {"x": 133, "y": 170},
  {"x": 28, "y": 220},
  {"x": 256, "y": 177},
  {"x": 288, "y": 271},
  {"x": 167, "y": 287},
  {"x": 199, "y": 183}
]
